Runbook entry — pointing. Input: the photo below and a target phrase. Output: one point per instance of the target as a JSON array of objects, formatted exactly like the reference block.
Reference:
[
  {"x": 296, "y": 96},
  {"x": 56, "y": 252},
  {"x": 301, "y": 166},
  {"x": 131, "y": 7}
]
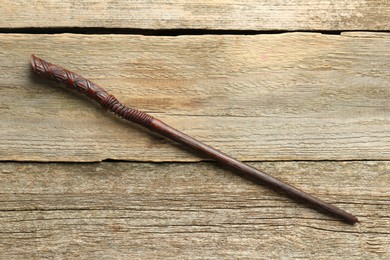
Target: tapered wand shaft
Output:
[{"x": 76, "y": 82}]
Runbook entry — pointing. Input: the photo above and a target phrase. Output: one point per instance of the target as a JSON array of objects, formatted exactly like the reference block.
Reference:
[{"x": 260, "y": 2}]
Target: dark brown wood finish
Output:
[{"x": 76, "y": 82}]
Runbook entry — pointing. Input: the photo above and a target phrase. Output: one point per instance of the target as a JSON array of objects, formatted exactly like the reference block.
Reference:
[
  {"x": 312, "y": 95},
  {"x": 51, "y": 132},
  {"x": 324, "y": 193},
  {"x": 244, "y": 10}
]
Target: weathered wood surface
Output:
[
  {"x": 193, "y": 210},
  {"x": 295, "y": 96},
  {"x": 204, "y": 14}
]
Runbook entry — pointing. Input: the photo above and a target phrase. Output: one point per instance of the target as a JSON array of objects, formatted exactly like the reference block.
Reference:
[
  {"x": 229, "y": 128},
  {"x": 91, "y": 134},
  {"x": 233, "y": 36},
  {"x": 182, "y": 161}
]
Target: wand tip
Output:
[{"x": 352, "y": 219}]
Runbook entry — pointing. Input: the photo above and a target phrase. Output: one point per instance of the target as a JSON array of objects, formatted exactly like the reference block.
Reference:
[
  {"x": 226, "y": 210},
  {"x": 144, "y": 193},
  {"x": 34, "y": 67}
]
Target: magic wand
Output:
[{"x": 76, "y": 82}]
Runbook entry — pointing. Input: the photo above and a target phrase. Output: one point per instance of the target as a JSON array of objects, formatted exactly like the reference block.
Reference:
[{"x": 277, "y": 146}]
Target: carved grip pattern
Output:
[{"x": 78, "y": 83}]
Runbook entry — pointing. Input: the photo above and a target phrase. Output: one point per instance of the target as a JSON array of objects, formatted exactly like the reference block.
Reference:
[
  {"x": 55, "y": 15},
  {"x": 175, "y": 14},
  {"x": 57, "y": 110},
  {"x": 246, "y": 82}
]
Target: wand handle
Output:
[
  {"x": 76, "y": 82},
  {"x": 80, "y": 84}
]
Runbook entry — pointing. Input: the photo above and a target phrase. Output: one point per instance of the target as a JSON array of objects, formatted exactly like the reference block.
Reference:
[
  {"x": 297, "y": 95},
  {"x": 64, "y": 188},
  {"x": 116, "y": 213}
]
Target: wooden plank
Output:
[
  {"x": 295, "y": 96},
  {"x": 203, "y": 14},
  {"x": 193, "y": 210}
]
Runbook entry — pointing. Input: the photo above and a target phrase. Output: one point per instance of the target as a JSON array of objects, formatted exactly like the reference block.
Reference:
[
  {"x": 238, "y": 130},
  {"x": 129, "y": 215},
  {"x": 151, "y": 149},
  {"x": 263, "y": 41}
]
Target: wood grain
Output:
[
  {"x": 275, "y": 97},
  {"x": 295, "y": 96},
  {"x": 203, "y": 14},
  {"x": 193, "y": 210}
]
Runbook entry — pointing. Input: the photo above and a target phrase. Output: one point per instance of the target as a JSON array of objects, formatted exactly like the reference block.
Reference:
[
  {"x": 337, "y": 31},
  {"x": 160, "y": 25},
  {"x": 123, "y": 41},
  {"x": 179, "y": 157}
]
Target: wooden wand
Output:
[{"x": 76, "y": 82}]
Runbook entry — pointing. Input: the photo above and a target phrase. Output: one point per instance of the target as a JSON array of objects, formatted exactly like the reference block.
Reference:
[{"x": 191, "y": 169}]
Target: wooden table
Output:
[{"x": 299, "y": 89}]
